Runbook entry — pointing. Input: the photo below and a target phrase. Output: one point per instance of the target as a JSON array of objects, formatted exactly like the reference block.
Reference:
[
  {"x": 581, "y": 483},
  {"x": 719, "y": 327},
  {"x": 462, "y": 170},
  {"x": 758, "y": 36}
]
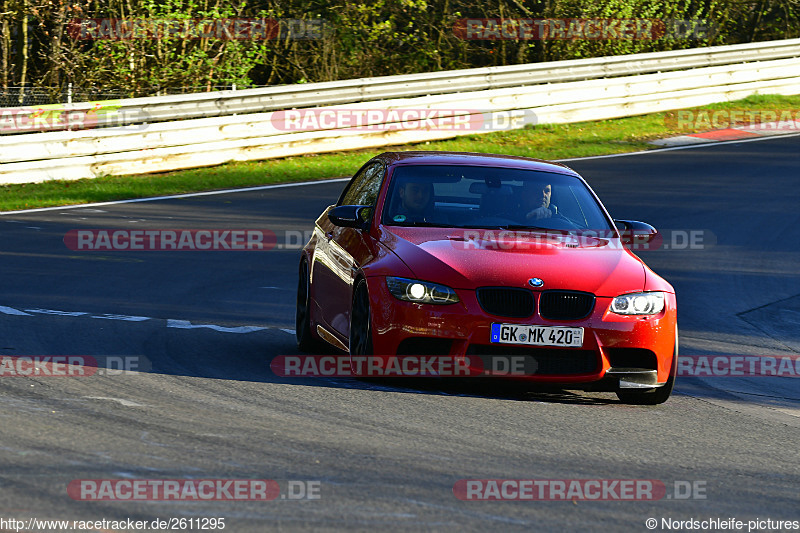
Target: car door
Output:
[{"x": 345, "y": 250}]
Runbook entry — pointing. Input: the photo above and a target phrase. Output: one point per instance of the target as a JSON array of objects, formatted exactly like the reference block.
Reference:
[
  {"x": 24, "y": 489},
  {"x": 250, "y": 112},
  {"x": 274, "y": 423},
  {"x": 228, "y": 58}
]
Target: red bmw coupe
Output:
[{"x": 483, "y": 258}]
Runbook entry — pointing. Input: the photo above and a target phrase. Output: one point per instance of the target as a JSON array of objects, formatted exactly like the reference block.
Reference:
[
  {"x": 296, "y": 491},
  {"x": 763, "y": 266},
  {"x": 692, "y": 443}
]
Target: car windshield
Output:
[{"x": 460, "y": 196}]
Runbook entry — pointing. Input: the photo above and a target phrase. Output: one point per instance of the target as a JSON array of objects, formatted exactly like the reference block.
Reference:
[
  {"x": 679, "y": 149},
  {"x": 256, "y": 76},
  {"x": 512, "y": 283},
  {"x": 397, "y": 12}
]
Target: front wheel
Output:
[
  {"x": 305, "y": 340},
  {"x": 360, "y": 327},
  {"x": 653, "y": 396}
]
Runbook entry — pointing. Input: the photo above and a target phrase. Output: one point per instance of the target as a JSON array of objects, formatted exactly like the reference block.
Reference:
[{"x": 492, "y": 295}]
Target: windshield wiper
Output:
[
  {"x": 424, "y": 224},
  {"x": 523, "y": 227}
]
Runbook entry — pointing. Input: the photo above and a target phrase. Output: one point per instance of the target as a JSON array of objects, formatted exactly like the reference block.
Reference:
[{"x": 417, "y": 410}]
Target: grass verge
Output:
[{"x": 561, "y": 141}]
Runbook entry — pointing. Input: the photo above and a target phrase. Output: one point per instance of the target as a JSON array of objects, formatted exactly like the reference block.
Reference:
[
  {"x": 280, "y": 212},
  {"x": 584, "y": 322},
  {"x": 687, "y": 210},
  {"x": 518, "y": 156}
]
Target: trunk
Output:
[
  {"x": 24, "y": 52},
  {"x": 56, "y": 55},
  {"x": 756, "y": 22},
  {"x": 6, "y": 45},
  {"x": 133, "y": 65},
  {"x": 440, "y": 36}
]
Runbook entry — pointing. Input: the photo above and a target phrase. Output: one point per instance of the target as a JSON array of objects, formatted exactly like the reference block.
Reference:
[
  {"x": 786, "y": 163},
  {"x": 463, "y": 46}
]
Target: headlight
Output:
[
  {"x": 424, "y": 292},
  {"x": 638, "y": 303}
]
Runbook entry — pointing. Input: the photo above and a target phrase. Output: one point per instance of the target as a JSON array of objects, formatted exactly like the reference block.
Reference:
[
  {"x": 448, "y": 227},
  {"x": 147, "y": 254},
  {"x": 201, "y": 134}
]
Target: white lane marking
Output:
[
  {"x": 145, "y": 437},
  {"x": 129, "y": 318},
  {"x": 460, "y": 510},
  {"x": 171, "y": 323},
  {"x": 12, "y": 311},
  {"x": 125, "y": 474},
  {"x": 126, "y": 403},
  {"x": 275, "y": 288},
  {"x": 790, "y": 315},
  {"x": 289, "y": 331},
  {"x": 185, "y": 324},
  {"x": 174, "y": 196},
  {"x": 671, "y": 148},
  {"x": 56, "y": 312},
  {"x": 680, "y": 140}
]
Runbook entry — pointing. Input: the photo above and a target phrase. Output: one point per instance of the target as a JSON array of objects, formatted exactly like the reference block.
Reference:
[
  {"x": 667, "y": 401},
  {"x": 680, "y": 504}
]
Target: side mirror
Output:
[
  {"x": 350, "y": 216},
  {"x": 635, "y": 234}
]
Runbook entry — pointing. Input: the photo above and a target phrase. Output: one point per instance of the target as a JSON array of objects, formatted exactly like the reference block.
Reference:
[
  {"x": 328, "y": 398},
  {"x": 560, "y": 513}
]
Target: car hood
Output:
[{"x": 468, "y": 259}]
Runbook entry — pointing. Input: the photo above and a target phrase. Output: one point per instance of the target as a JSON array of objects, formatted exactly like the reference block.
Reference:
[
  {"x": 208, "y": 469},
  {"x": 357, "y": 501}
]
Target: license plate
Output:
[{"x": 537, "y": 335}]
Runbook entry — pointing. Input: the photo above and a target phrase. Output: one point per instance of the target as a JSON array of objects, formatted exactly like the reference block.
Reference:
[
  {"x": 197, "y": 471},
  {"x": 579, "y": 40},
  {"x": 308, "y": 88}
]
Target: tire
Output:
[
  {"x": 657, "y": 395},
  {"x": 305, "y": 339},
  {"x": 360, "y": 321}
]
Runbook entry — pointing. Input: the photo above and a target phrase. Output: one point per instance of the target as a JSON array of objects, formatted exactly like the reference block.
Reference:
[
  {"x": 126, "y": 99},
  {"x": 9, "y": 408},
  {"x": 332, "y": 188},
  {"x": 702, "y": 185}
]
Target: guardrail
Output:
[
  {"x": 476, "y": 96},
  {"x": 226, "y": 103}
]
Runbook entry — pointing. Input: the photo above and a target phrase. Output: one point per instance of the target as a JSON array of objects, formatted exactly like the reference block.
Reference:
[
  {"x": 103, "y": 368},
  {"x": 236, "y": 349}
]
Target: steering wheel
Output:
[
  {"x": 495, "y": 221},
  {"x": 569, "y": 223}
]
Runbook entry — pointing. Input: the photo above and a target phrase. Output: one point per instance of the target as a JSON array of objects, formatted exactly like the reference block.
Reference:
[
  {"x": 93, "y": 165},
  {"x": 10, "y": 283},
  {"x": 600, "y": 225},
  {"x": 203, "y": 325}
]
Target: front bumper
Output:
[{"x": 618, "y": 351}]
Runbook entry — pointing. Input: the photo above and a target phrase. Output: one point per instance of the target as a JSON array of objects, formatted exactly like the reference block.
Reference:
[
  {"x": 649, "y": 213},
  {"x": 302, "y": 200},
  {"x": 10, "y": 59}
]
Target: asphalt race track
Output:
[{"x": 206, "y": 324}]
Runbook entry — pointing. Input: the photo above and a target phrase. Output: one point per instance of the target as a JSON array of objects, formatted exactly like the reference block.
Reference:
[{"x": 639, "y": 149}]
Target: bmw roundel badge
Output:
[{"x": 535, "y": 282}]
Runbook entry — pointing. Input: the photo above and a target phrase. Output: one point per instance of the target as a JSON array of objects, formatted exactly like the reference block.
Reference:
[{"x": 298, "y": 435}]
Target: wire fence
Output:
[{"x": 32, "y": 96}]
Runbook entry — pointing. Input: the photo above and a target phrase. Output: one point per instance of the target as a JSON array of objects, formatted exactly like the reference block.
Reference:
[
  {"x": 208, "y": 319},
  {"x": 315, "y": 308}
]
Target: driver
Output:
[
  {"x": 415, "y": 202},
  {"x": 534, "y": 201}
]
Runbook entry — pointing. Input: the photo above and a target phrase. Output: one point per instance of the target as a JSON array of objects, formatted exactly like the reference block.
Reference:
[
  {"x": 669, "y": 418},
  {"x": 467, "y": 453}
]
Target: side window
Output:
[{"x": 365, "y": 186}]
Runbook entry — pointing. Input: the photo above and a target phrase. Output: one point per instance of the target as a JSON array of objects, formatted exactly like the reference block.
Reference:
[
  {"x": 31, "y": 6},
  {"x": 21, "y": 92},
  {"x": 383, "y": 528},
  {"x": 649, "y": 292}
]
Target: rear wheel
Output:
[
  {"x": 653, "y": 396},
  {"x": 305, "y": 340}
]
